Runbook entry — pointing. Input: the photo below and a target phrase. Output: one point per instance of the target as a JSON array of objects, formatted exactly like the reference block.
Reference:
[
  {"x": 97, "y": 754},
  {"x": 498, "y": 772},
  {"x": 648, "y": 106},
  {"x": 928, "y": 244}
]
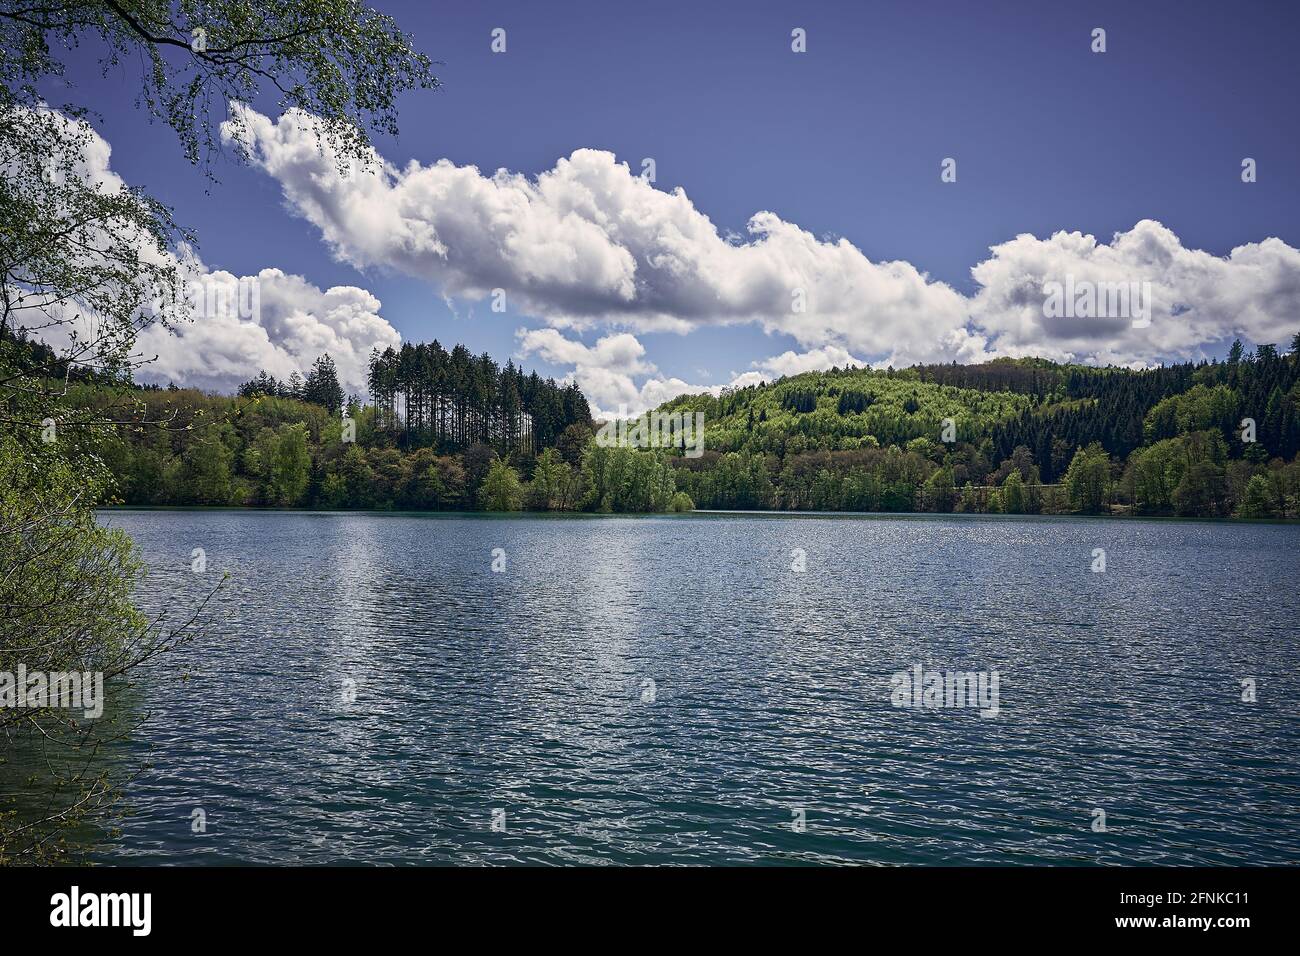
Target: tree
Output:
[
  {"x": 1257, "y": 502},
  {"x": 322, "y": 386},
  {"x": 1200, "y": 492},
  {"x": 680, "y": 503},
  {"x": 940, "y": 492},
  {"x": 969, "y": 503},
  {"x": 427, "y": 396},
  {"x": 358, "y": 480},
  {"x": 1013, "y": 494},
  {"x": 86, "y": 262},
  {"x": 333, "y": 492},
  {"x": 501, "y": 489},
  {"x": 291, "y": 467},
  {"x": 337, "y": 60},
  {"x": 573, "y": 442},
  {"x": 1087, "y": 477},
  {"x": 79, "y": 263},
  {"x": 626, "y": 480},
  {"x": 205, "y": 470},
  {"x": 66, "y": 590},
  {"x": 432, "y": 482},
  {"x": 551, "y": 477},
  {"x": 1156, "y": 471}
]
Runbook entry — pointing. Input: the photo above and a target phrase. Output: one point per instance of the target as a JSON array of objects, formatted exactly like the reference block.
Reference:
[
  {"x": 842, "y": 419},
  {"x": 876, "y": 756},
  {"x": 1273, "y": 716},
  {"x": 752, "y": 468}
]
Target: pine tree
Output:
[{"x": 322, "y": 385}]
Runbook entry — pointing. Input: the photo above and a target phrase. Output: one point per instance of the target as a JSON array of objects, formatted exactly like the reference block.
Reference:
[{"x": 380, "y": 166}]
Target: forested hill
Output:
[{"x": 1163, "y": 440}]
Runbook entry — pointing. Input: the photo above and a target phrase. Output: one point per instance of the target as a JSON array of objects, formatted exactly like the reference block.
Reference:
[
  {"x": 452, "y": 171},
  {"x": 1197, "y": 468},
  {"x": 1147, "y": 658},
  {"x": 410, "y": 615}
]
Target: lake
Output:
[{"x": 667, "y": 690}]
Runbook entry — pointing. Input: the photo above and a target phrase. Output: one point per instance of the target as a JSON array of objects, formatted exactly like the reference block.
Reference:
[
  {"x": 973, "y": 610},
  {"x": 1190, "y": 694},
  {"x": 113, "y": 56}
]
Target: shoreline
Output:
[{"x": 706, "y": 512}]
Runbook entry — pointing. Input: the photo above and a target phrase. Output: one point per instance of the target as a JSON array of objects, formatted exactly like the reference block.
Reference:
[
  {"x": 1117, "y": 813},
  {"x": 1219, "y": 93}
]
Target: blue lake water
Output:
[{"x": 768, "y": 734}]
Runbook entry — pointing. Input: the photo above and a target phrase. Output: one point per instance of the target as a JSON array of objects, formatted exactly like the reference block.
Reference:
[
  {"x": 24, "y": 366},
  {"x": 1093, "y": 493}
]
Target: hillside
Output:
[{"x": 1161, "y": 441}]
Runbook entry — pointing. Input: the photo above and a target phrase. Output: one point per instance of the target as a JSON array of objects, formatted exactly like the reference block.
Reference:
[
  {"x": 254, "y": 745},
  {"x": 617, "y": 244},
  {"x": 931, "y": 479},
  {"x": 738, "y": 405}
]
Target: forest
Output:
[
  {"x": 449, "y": 431},
  {"x": 1211, "y": 439},
  {"x": 427, "y": 396}
]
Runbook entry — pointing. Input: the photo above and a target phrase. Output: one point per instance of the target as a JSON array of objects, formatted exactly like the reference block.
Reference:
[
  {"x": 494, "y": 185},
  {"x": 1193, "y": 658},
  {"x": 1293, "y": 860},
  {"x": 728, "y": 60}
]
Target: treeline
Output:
[
  {"x": 1189, "y": 476},
  {"x": 320, "y": 387},
  {"x": 427, "y": 396},
  {"x": 1213, "y": 439},
  {"x": 22, "y": 354},
  {"x": 184, "y": 447}
]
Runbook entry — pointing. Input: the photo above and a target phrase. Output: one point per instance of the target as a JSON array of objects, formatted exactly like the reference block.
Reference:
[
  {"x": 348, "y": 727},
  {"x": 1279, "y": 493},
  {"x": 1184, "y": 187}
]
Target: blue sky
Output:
[{"x": 844, "y": 140}]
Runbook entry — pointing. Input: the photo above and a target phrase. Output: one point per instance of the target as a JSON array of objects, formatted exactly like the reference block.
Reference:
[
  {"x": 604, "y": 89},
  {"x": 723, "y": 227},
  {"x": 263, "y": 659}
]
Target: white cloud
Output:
[
  {"x": 589, "y": 243},
  {"x": 816, "y": 360},
  {"x": 270, "y": 321},
  {"x": 1196, "y": 298},
  {"x": 605, "y": 371},
  {"x": 615, "y": 353},
  {"x": 290, "y": 324}
]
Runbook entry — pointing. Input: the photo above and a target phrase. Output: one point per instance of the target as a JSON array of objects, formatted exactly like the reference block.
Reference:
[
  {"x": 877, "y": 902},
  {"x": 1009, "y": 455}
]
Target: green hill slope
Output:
[{"x": 1169, "y": 440}]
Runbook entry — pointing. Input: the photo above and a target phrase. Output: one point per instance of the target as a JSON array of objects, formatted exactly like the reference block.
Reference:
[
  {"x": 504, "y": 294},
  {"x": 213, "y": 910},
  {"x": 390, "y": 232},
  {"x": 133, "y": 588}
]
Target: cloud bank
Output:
[
  {"x": 291, "y": 324},
  {"x": 590, "y": 245},
  {"x": 1197, "y": 298}
]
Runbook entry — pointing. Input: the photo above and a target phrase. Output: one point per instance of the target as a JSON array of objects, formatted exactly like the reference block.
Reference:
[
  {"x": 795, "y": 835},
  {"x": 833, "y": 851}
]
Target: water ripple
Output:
[{"x": 525, "y": 691}]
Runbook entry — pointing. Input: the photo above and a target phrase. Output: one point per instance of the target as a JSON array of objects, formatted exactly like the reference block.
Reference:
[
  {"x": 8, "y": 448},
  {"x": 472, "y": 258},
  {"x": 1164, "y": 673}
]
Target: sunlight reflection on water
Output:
[{"x": 522, "y": 691}]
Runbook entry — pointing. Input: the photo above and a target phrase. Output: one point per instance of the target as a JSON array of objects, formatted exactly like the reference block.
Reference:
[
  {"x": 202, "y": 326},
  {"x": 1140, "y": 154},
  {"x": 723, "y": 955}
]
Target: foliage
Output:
[
  {"x": 265, "y": 451},
  {"x": 681, "y": 503},
  {"x": 501, "y": 489},
  {"x": 1159, "y": 441},
  {"x": 1013, "y": 494},
  {"x": 337, "y": 60},
  {"x": 625, "y": 480},
  {"x": 554, "y": 484},
  {"x": 426, "y": 395},
  {"x": 1087, "y": 478},
  {"x": 322, "y": 386},
  {"x": 843, "y": 410},
  {"x": 66, "y": 590},
  {"x": 1257, "y": 502}
]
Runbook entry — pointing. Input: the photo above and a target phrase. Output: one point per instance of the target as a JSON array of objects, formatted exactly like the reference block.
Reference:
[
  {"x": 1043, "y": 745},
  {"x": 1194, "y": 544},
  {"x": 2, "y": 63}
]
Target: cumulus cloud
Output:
[
  {"x": 1196, "y": 298},
  {"x": 815, "y": 360},
  {"x": 270, "y": 321},
  {"x": 589, "y": 243},
  {"x": 605, "y": 371}
]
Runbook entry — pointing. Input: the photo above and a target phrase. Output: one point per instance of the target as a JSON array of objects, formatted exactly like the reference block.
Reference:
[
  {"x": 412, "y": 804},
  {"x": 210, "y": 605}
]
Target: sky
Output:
[{"x": 798, "y": 217}]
